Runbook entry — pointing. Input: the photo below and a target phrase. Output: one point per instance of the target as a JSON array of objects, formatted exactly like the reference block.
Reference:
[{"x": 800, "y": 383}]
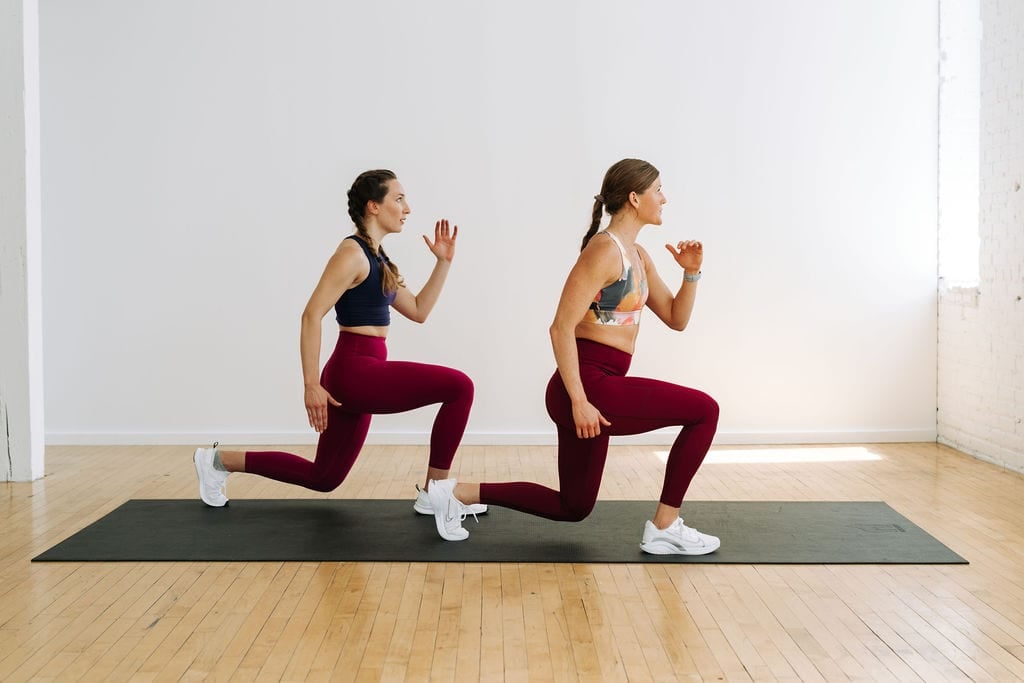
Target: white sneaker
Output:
[
  {"x": 677, "y": 539},
  {"x": 448, "y": 511},
  {"x": 422, "y": 504},
  {"x": 211, "y": 481}
]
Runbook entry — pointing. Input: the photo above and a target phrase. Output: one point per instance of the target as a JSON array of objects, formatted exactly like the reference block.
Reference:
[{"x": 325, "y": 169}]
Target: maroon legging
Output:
[
  {"x": 633, "y": 405},
  {"x": 360, "y": 377}
]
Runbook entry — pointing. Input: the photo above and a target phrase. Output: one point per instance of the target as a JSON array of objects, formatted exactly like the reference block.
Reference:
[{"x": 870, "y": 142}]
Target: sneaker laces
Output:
[
  {"x": 688, "y": 534},
  {"x": 464, "y": 510}
]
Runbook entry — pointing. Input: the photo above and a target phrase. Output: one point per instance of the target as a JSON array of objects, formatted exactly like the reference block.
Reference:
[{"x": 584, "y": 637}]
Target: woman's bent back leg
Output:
[{"x": 336, "y": 452}]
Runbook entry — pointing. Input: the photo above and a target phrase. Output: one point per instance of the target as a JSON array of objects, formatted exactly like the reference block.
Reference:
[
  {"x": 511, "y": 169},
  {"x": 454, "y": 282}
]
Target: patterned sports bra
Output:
[{"x": 621, "y": 302}]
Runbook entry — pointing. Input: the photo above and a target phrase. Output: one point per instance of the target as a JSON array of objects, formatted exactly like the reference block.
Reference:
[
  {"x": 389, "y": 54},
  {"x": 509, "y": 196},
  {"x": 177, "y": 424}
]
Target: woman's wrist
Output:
[{"x": 691, "y": 275}]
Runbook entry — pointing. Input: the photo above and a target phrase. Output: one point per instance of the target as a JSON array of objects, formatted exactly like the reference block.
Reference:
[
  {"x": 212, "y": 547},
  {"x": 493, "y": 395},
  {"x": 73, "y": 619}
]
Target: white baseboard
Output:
[{"x": 659, "y": 438}]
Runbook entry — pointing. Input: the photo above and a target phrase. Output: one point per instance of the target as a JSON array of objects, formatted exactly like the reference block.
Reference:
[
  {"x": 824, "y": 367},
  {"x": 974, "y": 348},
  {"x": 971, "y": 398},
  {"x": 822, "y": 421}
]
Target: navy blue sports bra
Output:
[{"x": 366, "y": 303}]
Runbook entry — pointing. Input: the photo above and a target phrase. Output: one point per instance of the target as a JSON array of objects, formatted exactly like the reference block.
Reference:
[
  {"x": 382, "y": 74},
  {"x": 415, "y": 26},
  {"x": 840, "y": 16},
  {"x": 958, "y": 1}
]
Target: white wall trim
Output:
[
  {"x": 21, "y": 330},
  {"x": 489, "y": 439}
]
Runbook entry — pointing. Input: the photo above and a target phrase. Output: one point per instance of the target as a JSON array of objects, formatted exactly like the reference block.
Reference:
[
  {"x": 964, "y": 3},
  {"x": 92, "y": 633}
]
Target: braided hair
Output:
[{"x": 372, "y": 186}]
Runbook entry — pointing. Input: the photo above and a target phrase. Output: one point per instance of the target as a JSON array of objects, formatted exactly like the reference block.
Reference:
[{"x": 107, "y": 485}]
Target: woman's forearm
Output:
[
  {"x": 309, "y": 348},
  {"x": 563, "y": 343},
  {"x": 682, "y": 305},
  {"x": 431, "y": 290}
]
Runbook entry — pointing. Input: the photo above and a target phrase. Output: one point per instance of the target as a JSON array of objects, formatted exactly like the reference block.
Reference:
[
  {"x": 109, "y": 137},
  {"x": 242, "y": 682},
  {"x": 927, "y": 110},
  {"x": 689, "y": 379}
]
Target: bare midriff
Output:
[
  {"x": 367, "y": 330},
  {"x": 621, "y": 337}
]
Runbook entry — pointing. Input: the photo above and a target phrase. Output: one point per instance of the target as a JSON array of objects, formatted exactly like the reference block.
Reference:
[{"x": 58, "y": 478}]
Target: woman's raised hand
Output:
[
  {"x": 443, "y": 246},
  {"x": 689, "y": 254}
]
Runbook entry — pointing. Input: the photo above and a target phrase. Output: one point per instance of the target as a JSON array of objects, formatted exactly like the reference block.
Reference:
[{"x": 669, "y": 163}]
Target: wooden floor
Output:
[{"x": 524, "y": 622}]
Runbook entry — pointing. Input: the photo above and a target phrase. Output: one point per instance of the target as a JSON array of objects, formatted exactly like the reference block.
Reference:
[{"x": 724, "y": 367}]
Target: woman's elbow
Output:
[
  {"x": 559, "y": 330},
  {"x": 309, "y": 316},
  {"x": 417, "y": 316}
]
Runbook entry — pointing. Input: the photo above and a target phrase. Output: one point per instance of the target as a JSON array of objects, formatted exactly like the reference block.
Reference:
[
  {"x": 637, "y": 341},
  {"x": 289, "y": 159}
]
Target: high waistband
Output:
[
  {"x": 362, "y": 345},
  {"x": 608, "y": 358}
]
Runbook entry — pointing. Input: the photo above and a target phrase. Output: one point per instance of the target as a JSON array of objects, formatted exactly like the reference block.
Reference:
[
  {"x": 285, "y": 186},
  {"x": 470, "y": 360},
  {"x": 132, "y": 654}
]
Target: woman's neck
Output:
[
  {"x": 376, "y": 235},
  {"x": 626, "y": 228}
]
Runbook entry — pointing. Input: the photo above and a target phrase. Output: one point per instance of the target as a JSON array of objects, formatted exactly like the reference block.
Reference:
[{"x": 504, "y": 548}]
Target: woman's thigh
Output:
[
  {"x": 383, "y": 386},
  {"x": 635, "y": 405}
]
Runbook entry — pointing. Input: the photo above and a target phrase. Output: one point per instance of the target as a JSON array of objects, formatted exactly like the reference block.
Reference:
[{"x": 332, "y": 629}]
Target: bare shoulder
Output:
[
  {"x": 349, "y": 251},
  {"x": 349, "y": 258},
  {"x": 601, "y": 253},
  {"x": 349, "y": 246}
]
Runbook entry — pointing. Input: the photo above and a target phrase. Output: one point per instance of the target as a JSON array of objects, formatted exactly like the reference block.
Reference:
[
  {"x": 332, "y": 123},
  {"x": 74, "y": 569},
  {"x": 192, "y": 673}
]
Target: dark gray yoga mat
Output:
[{"x": 389, "y": 531}]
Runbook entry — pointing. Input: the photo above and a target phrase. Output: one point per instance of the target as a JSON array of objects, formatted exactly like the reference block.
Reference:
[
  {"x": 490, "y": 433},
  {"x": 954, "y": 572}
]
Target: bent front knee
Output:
[
  {"x": 711, "y": 410},
  {"x": 461, "y": 386}
]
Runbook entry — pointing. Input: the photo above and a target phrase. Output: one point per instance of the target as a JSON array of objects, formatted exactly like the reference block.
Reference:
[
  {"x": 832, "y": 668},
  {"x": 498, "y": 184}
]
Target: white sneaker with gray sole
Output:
[
  {"x": 422, "y": 504},
  {"x": 677, "y": 539},
  {"x": 448, "y": 510},
  {"x": 211, "y": 480}
]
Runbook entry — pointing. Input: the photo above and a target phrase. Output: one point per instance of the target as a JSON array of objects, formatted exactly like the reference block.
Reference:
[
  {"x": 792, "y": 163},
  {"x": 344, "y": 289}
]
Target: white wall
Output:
[
  {"x": 981, "y": 329},
  {"x": 196, "y": 156}
]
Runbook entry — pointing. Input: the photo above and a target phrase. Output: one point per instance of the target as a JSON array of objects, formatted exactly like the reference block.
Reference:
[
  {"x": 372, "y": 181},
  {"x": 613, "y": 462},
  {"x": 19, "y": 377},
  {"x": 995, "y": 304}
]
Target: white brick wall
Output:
[{"x": 981, "y": 331}]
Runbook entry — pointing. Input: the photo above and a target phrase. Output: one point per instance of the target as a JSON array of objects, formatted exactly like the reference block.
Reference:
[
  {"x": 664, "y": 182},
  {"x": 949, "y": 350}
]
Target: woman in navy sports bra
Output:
[
  {"x": 358, "y": 380},
  {"x": 589, "y": 397}
]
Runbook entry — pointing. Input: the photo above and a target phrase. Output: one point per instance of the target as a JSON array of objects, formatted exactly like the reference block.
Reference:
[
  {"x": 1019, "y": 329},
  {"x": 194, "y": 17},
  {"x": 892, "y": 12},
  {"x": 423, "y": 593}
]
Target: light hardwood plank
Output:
[{"x": 530, "y": 622}]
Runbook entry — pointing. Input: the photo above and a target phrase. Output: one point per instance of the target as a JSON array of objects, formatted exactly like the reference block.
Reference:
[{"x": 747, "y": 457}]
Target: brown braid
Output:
[{"x": 595, "y": 222}]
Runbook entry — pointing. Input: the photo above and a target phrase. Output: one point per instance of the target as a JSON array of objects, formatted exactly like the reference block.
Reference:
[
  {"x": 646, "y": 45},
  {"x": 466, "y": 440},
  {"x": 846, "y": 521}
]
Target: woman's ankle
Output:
[{"x": 467, "y": 494}]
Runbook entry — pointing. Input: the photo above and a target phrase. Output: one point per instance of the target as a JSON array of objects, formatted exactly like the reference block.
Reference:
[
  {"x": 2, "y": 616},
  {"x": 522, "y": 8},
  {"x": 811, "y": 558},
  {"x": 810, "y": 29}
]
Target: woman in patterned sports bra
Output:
[{"x": 590, "y": 397}]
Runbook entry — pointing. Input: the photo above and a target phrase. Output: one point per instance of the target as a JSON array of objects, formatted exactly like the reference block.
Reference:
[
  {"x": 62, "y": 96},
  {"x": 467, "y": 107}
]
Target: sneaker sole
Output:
[
  {"x": 199, "y": 475},
  {"x": 661, "y": 548}
]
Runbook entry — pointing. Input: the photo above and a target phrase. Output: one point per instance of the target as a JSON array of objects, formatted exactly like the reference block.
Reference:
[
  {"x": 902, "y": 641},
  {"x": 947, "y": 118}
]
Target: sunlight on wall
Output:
[
  {"x": 764, "y": 456},
  {"x": 959, "y": 141}
]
